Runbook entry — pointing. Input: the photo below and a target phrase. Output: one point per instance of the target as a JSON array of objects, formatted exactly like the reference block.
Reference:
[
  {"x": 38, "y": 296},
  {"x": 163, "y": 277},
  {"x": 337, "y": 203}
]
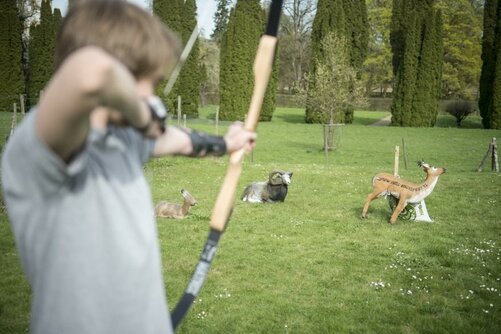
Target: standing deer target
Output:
[{"x": 406, "y": 192}]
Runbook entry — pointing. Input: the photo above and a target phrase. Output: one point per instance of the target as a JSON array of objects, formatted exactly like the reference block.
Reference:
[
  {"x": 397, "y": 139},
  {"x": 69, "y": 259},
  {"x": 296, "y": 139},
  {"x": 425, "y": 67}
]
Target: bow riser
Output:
[{"x": 262, "y": 70}]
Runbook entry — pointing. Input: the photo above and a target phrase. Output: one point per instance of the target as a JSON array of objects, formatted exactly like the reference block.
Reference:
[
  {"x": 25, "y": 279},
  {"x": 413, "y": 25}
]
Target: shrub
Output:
[{"x": 460, "y": 110}]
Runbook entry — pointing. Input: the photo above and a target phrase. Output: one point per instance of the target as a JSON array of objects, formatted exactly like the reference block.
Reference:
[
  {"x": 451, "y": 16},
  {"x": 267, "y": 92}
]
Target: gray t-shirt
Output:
[{"x": 86, "y": 233}]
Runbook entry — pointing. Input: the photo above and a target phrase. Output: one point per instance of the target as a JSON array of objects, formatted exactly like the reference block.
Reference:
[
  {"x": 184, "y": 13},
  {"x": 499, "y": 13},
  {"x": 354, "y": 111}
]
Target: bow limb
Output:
[
  {"x": 182, "y": 59},
  {"x": 185, "y": 53}
]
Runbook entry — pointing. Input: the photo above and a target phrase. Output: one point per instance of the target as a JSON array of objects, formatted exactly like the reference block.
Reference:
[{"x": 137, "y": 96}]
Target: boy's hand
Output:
[{"x": 237, "y": 138}]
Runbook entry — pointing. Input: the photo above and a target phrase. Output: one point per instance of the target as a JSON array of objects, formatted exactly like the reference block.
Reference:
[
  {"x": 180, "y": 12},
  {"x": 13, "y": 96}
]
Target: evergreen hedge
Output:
[
  {"x": 180, "y": 16},
  {"x": 490, "y": 79},
  {"x": 11, "y": 72},
  {"x": 416, "y": 40},
  {"x": 42, "y": 48},
  {"x": 341, "y": 17},
  {"x": 238, "y": 49}
]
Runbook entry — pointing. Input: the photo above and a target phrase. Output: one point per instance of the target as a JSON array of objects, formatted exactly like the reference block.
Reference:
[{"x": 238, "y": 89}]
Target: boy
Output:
[{"x": 72, "y": 173}]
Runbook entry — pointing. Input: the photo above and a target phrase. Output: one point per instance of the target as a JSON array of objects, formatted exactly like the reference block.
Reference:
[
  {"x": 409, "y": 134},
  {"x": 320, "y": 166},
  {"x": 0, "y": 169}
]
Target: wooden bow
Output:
[{"x": 226, "y": 197}]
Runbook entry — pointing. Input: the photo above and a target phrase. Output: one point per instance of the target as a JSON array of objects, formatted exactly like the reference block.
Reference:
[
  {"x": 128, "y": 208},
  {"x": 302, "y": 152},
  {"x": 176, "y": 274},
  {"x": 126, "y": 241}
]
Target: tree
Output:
[
  {"x": 220, "y": 20},
  {"x": 238, "y": 50},
  {"x": 490, "y": 79},
  {"x": 495, "y": 110},
  {"x": 461, "y": 36},
  {"x": 209, "y": 63},
  {"x": 169, "y": 12},
  {"x": 416, "y": 40},
  {"x": 295, "y": 37},
  {"x": 42, "y": 47},
  {"x": 11, "y": 72},
  {"x": 337, "y": 87},
  {"x": 29, "y": 13},
  {"x": 459, "y": 109},
  {"x": 462, "y": 31},
  {"x": 341, "y": 17},
  {"x": 378, "y": 75},
  {"x": 189, "y": 77},
  {"x": 180, "y": 16}
]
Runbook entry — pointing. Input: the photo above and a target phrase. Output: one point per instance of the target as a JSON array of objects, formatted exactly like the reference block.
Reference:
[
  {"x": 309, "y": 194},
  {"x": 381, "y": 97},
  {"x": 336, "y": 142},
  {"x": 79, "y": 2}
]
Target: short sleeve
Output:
[{"x": 29, "y": 165}]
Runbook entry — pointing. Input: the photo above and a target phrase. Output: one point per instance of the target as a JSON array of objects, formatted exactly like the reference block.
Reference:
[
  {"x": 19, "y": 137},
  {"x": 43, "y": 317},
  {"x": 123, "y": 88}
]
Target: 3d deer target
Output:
[{"x": 406, "y": 192}]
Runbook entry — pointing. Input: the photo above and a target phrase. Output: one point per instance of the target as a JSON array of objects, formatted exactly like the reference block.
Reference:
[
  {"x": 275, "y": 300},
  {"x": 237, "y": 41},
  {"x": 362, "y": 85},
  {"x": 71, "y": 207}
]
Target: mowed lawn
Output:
[{"x": 311, "y": 264}]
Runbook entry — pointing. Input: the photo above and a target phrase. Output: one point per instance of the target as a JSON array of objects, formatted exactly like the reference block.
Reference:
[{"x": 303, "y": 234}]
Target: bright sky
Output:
[{"x": 205, "y": 11}]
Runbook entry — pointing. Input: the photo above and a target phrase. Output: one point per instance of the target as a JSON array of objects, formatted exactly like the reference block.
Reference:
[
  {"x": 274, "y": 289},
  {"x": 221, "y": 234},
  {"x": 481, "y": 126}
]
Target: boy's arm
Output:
[
  {"x": 177, "y": 141},
  {"x": 174, "y": 141},
  {"x": 88, "y": 79}
]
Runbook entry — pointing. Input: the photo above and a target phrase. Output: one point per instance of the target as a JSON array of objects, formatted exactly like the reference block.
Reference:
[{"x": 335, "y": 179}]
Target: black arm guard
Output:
[{"x": 204, "y": 144}]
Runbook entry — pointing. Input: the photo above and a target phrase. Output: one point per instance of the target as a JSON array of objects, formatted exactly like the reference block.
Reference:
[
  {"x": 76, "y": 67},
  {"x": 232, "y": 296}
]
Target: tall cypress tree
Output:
[
  {"x": 238, "y": 49},
  {"x": 180, "y": 16},
  {"x": 41, "y": 49},
  {"x": 417, "y": 46},
  {"x": 270, "y": 96},
  {"x": 11, "y": 72},
  {"x": 220, "y": 20},
  {"x": 490, "y": 79},
  {"x": 495, "y": 116},
  {"x": 357, "y": 30},
  {"x": 189, "y": 78},
  {"x": 169, "y": 12},
  {"x": 429, "y": 73},
  {"x": 346, "y": 18},
  {"x": 328, "y": 18}
]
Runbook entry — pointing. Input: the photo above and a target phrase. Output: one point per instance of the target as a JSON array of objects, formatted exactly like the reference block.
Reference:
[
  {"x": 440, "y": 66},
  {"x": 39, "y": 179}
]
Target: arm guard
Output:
[{"x": 204, "y": 144}]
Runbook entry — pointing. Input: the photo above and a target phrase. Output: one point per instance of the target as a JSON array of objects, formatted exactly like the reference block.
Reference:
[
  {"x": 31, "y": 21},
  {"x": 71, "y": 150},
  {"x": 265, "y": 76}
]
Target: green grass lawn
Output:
[{"x": 311, "y": 264}]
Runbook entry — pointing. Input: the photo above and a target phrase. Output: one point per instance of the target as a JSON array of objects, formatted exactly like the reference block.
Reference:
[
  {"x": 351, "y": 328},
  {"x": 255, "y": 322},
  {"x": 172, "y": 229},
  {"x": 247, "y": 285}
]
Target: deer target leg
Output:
[
  {"x": 370, "y": 198},
  {"x": 398, "y": 209}
]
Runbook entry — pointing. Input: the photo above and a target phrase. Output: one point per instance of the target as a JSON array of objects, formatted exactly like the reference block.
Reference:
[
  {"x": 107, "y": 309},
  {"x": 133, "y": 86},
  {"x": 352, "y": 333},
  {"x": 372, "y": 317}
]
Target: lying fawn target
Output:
[
  {"x": 178, "y": 211},
  {"x": 405, "y": 191}
]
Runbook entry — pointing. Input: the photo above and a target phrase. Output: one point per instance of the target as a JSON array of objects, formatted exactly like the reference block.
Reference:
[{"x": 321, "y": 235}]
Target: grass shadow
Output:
[
  {"x": 447, "y": 121},
  {"x": 364, "y": 121},
  {"x": 290, "y": 118}
]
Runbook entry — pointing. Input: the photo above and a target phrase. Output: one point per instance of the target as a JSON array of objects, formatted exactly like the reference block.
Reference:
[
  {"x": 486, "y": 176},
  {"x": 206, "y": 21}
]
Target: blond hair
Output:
[{"x": 136, "y": 38}]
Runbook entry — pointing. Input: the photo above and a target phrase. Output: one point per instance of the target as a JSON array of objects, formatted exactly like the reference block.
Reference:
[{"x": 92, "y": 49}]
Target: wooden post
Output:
[
  {"x": 395, "y": 165},
  {"x": 178, "y": 110},
  {"x": 14, "y": 120},
  {"x": 493, "y": 152},
  {"x": 481, "y": 166},
  {"x": 217, "y": 121},
  {"x": 21, "y": 100},
  {"x": 405, "y": 153},
  {"x": 495, "y": 161},
  {"x": 326, "y": 148}
]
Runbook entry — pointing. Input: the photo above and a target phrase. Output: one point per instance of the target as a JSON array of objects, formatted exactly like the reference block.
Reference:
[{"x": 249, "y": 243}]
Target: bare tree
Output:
[
  {"x": 336, "y": 85},
  {"x": 29, "y": 13},
  {"x": 295, "y": 39}
]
